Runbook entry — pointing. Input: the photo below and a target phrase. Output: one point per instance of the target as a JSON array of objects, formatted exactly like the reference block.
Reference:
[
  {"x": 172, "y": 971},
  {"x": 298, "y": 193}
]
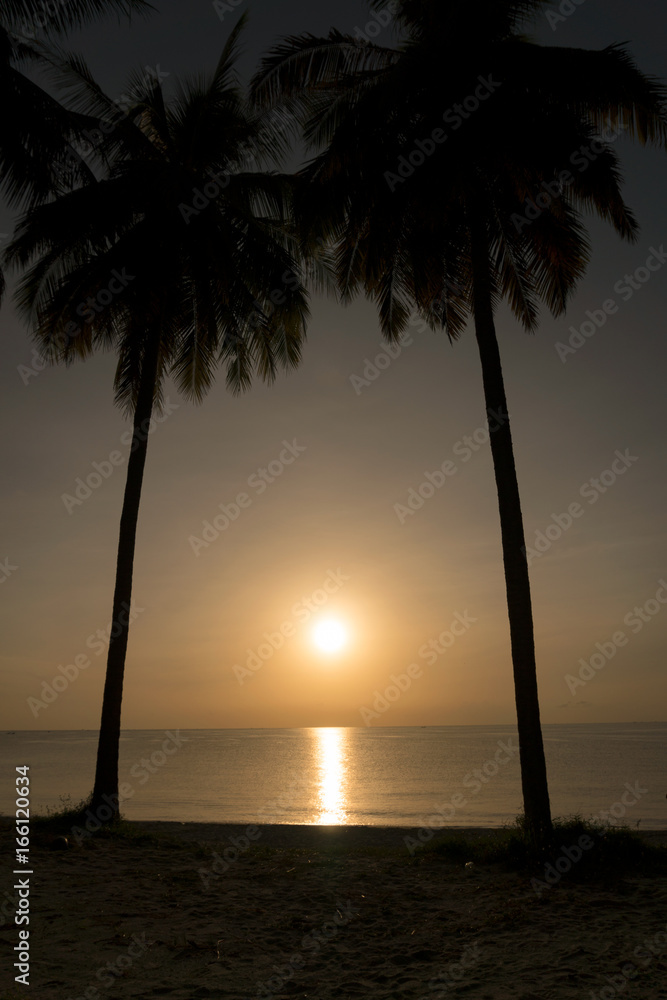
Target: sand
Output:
[{"x": 308, "y": 912}]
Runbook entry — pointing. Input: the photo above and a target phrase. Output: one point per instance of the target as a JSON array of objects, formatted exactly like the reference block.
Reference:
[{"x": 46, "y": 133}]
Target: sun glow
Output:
[
  {"x": 331, "y": 746},
  {"x": 330, "y": 635}
]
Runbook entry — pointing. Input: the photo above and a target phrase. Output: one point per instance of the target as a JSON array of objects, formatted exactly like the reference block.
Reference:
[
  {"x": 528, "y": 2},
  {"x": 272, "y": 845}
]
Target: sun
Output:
[{"x": 329, "y": 635}]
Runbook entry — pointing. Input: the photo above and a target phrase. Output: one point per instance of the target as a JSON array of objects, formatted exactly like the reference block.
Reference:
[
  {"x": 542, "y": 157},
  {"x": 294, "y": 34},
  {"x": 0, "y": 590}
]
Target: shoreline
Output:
[
  {"x": 315, "y": 837},
  {"x": 301, "y": 836}
]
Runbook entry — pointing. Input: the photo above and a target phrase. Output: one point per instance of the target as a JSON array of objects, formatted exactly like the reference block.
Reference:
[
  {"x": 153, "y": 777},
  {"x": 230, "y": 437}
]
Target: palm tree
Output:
[
  {"x": 178, "y": 260},
  {"x": 36, "y": 153},
  {"x": 452, "y": 173},
  {"x": 35, "y": 141}
]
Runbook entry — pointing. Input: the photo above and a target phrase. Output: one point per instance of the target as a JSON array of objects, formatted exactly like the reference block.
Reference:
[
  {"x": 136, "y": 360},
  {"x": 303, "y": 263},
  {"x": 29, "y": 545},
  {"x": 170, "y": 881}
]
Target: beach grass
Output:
[{"x": 616, "y": 849}]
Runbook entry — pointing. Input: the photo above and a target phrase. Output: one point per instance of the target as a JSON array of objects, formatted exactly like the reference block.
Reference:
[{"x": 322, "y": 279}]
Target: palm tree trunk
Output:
[
  {"x": 537, "y": 810},
  {"x": 104, "y": 804}
]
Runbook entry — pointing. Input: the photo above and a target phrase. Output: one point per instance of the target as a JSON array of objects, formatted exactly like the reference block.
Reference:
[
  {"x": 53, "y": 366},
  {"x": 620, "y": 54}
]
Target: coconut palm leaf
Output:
[
  {"x": 183, "y": 258},
  {"x": 492, "y": 210}
]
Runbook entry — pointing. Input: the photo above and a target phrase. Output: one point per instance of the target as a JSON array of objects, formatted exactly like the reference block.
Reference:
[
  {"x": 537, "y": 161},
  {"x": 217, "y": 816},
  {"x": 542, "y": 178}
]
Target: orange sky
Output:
[{"x": 347, "y": 443}]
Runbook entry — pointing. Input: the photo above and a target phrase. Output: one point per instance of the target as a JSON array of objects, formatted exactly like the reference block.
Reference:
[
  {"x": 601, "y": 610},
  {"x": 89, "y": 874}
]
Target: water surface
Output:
[{"x": 449, "y": 775}]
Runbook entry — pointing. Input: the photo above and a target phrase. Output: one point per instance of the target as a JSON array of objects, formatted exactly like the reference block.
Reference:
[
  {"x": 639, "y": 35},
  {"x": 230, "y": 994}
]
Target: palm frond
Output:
[
  {"x": 302, "y": 63},
  {"x": 58, "y": 18}
]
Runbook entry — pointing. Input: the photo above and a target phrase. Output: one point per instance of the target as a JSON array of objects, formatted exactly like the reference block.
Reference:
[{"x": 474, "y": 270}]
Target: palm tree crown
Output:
[
  {"x": 36, "y": 155},
  {"x": 37, "y": 130},
  {"x": 180, "y": 259},
  {"x": 397, "y": 198},
  {"x": 182, "y": 239},
  {"x": 453, "y": 171}
]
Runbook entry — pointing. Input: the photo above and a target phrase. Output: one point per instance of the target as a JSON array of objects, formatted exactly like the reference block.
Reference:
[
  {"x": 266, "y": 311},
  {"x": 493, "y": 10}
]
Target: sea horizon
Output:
[
  {"x": 417, "y": 725},
  {"x": 406, "y": 776}
]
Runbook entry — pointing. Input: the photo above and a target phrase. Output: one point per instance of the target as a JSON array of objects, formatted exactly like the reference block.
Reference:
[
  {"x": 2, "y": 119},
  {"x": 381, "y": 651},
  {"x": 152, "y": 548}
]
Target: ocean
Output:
[{"x": 408, "y": 776}]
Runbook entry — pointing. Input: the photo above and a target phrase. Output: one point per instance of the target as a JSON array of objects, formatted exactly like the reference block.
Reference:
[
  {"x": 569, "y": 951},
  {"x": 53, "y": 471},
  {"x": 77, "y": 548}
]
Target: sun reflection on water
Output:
[{"x": 331, "y": 748}]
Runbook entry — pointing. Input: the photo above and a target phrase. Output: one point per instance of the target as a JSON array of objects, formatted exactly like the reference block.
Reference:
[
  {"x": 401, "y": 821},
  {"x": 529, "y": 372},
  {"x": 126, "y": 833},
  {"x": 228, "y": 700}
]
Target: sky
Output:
[{"x": 326, "y": 461}]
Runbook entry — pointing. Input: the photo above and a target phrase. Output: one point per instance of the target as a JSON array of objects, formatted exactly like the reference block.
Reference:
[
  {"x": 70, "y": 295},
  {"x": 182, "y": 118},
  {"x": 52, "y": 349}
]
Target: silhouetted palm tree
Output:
[
  {"x": 441, "y": 185},
  {"x": 35, "y": 151},
  {"x": 179, "y": 260},
  {"x": 36, "y": 155}
]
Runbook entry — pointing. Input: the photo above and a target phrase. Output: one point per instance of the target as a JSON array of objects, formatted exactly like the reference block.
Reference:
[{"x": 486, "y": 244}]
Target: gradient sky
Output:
[{"x": 330, "y": 514}]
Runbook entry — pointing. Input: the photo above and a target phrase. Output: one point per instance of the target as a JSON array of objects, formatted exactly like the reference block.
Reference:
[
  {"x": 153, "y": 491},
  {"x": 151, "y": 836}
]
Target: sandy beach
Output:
[{"x": 203, "y": 910}]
